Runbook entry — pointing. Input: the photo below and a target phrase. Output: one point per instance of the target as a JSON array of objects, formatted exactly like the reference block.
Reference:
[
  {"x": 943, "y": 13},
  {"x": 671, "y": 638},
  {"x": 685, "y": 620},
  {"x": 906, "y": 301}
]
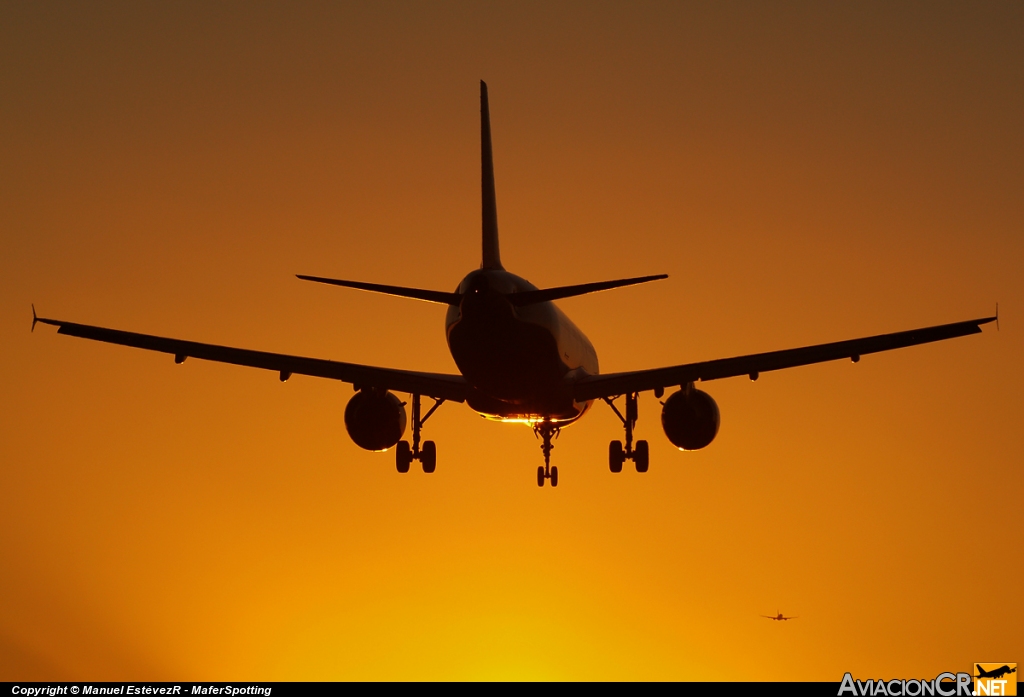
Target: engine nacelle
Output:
[
  {"x": 375, "y": 419},
  {"x": 690, "y": 420}
]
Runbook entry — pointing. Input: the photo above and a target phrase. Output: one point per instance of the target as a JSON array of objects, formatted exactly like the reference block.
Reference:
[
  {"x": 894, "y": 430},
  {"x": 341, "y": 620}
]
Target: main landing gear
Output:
[
  {"x": 617, "y": 455},
  {"x": 546, "y": 430},
  {"x": 404, "y": 454}
]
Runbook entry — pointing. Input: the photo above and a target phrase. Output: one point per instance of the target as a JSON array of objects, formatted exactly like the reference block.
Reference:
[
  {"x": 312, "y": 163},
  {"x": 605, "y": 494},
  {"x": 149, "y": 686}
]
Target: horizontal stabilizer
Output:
[
  {"x": 431, "y": 296},
  {"x": 531, "y": 297}
]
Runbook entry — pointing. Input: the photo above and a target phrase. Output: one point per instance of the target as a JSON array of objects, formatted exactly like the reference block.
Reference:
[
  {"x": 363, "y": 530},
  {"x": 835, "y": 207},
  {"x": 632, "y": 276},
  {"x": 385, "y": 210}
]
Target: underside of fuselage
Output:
[{"x": 519, "y": 360}]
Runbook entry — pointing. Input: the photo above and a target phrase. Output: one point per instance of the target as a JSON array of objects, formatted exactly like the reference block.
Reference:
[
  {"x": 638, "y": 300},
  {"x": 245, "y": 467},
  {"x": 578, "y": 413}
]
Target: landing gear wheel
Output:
[
  {"x": 546, "y": 430},
  {"x": 641, "y": 456},
  {"x": 403, "y": 456},
  {"x": 428, "y": 457},
  {"x": 615, "y": 456}
]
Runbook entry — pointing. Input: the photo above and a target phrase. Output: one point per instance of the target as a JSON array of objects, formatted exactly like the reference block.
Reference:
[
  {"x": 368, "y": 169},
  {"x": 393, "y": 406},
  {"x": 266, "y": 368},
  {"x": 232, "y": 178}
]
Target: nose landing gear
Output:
[
  {"x": 617, "y": 455},
  {"x": 404, "y": 454},
  {"x": 546, "y": 430}
]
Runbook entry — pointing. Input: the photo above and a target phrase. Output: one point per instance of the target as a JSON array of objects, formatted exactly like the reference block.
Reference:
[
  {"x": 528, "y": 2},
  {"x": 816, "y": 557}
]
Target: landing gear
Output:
[
  {"x": 404, "y": 454},
  {"x": 641, "y": 456},
  {"x": 428, "y": 457},
  {"x": 546, "y": 430},
  {"x": 617, "y": 455}
]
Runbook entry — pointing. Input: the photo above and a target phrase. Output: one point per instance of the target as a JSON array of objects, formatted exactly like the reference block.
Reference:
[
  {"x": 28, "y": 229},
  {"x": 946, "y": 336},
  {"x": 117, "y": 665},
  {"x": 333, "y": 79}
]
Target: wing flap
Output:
[
  {"x": 612, "y": 384},
  {"x": 449, "y": 387}
]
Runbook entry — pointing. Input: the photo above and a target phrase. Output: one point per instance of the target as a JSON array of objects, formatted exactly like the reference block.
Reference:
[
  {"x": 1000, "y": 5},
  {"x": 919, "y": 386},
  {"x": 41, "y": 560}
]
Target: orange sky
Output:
[{"x": 804, "y": 173}]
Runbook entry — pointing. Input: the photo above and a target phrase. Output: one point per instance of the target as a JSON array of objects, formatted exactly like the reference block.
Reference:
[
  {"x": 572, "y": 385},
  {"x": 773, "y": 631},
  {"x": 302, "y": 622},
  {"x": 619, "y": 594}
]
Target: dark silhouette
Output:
[
  {"x": 779, "y": 617},
  {"x": 520, "y": 359},
  {"x": 997, "y": 673}
]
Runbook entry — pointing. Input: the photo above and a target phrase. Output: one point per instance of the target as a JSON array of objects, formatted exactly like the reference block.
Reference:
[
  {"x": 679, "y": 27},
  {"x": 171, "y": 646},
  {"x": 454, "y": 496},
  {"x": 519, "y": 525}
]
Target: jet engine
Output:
[
  {"x": 690, "y": 419},
  {"x": 375, "y": 419}
]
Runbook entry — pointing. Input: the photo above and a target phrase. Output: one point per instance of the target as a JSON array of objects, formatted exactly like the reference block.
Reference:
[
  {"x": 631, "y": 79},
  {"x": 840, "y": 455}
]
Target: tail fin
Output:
[{"x": 491, "y": 254}]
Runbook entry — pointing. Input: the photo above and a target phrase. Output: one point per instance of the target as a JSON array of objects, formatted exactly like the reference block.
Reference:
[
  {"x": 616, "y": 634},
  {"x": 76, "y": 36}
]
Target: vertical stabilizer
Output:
[{"x": 491, "y": 254}]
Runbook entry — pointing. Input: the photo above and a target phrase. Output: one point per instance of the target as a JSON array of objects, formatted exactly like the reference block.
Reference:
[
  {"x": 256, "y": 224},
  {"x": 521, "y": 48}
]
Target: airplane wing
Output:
[
  {"x": 439, "y": 386},
  {"x": 614, "y": 384}
]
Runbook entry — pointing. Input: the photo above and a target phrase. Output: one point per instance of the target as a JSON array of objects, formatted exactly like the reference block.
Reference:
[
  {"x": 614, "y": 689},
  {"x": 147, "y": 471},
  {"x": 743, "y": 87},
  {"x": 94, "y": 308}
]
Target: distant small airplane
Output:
[
  {"x": 996, "y": 673},
  {"x": 520, "y": 359},
  {"x": 779, "y": 617}
]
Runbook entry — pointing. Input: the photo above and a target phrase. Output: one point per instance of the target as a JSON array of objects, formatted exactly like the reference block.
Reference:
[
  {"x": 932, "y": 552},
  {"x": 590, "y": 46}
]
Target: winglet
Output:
[{"x": 34, "y": 318}]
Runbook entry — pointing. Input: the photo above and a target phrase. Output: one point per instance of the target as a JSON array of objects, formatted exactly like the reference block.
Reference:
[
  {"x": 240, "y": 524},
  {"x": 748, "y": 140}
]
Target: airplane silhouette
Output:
[
  {"x": 520, "y": 359},
  {"x": 995, "y": 673},
  {"x": 778, "y": 617}
]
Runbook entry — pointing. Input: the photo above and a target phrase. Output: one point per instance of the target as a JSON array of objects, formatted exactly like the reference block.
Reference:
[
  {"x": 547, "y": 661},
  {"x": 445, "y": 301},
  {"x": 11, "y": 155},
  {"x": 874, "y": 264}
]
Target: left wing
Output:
[
  {"x": 436, "y": 385},
  {"x": 614, "y": 384}
]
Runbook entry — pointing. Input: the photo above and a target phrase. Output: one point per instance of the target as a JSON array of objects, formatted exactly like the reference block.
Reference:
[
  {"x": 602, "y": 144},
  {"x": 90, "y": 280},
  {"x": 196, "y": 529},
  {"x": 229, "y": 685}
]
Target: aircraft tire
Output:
[
  {"x": 403, "y": 456},
  {"x": 554, "y": 476},
  {"x": 540, "y": 476},
  {"x": 428, "y": 457},
  {"x": 642, "y": 456},
  {"x": 615, "y": 456}
]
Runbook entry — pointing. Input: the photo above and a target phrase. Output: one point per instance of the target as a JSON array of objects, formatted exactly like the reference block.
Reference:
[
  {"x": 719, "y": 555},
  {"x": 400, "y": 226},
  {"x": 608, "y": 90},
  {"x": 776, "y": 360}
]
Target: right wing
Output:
[
  {"x": 439, "y": 386},
  {"x": 614, "y": 384}
]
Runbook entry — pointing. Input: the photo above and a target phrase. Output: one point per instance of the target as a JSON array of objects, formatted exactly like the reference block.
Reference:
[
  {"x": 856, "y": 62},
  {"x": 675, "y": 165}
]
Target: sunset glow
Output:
[{"x": 803, "y": 173}]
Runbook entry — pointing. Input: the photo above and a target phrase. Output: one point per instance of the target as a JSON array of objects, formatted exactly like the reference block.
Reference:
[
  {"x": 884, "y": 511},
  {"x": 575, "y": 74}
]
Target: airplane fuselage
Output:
[{"x": 521, "y": 361}]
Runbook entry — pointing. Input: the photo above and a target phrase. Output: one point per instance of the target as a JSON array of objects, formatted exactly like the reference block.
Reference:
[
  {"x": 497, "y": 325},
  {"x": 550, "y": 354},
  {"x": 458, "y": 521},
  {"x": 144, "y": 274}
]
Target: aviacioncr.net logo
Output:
[
  {"x": 995, "y": 679},
  {"x": 943, "y": 685}
]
